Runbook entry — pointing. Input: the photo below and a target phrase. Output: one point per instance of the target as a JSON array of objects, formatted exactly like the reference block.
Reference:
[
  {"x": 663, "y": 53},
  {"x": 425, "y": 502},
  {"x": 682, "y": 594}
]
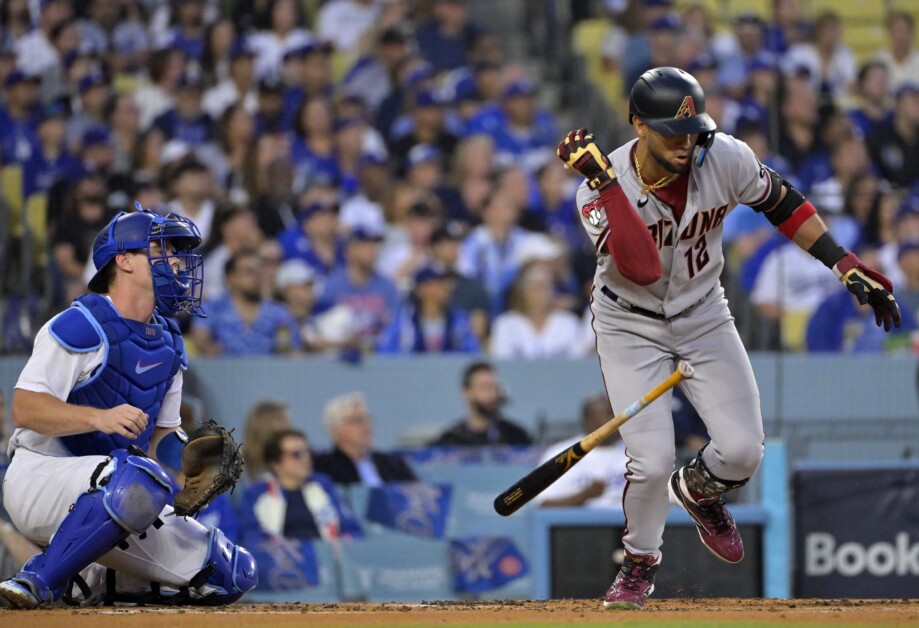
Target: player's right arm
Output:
[
  {"x": 39, "y": 400},
  {"x": 624, "y": 236}
]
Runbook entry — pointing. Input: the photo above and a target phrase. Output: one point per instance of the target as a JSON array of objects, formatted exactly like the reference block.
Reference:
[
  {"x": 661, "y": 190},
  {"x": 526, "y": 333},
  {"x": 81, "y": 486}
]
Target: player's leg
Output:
[
  {"x": 634, "y": 359},
  {"x": 124, "y": 495},
  {"x": 181, "y": 562},
  {"x": 724, "y": 392}
]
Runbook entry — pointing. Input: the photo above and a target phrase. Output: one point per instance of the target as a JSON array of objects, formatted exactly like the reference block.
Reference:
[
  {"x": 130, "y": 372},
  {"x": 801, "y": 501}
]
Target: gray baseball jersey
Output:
[
  {"x": 686, "y": 317},
  {"x": 690, "y": 252}
]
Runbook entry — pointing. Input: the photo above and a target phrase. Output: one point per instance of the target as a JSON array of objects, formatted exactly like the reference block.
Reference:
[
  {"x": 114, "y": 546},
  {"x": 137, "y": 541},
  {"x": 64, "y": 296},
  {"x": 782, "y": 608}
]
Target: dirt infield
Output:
[{"x": 554, "y": 613}]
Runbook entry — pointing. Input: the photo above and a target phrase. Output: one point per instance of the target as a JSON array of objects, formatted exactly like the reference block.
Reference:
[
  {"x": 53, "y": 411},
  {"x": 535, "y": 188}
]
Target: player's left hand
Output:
[
  {"x": 580, "y": 152},
  {"x": 871, "y": 287}
]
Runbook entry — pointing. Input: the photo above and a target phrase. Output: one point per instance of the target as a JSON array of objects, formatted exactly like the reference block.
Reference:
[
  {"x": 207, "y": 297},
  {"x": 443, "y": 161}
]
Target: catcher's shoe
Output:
[
  {"x": 715, "y": 524},
  {"x": 633, "y": 584},
  {"x": 21, "y": 593}
]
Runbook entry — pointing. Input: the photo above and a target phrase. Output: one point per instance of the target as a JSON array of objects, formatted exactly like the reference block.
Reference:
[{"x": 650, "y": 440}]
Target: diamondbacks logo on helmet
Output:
[{"x": 687, "y": 108}]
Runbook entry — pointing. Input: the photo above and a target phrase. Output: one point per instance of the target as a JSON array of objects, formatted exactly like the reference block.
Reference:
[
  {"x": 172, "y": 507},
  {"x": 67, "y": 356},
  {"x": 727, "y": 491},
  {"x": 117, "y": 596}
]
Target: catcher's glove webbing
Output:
[{"x": 212, "y": 464}]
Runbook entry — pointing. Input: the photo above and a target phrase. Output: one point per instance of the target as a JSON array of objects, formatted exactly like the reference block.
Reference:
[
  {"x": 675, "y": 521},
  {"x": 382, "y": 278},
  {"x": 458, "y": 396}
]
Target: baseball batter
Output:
[
  {"x": 97, "y": 411},
  {"x": 654, "y": 208}
]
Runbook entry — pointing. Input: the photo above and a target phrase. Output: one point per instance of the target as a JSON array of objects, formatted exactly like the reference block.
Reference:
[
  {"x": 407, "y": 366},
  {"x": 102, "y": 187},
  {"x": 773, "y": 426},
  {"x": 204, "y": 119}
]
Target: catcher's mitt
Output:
[{"x": 211, "y": 464}]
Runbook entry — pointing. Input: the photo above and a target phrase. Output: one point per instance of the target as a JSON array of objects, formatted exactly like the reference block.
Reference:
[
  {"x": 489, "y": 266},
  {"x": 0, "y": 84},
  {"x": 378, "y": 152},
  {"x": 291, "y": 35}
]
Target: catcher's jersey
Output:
[{"x": 690, "y": 251}]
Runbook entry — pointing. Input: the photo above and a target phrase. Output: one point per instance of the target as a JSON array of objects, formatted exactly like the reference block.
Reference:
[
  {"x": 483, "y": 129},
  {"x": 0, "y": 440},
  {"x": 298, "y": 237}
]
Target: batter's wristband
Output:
[{"x": 827, "y": 250}]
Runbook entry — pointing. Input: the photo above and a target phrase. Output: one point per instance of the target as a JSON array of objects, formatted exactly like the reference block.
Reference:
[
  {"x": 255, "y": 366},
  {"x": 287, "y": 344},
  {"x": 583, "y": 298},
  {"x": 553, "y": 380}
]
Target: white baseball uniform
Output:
[
  {"x": 642, "y": 331},
  {"x": 44, "y": 479}
]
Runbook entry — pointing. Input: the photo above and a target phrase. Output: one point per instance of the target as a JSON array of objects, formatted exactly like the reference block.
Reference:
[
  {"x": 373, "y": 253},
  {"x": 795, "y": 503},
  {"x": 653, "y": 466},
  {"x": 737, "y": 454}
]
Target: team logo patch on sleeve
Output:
[
  {"x": 687, "y": 108},
  {"x": 593, "y": 212}
]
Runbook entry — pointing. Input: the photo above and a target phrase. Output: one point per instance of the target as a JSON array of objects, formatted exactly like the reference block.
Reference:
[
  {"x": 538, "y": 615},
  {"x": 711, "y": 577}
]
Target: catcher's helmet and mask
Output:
[
  {"x": 672, "y": 102},
  {"x": 128, "y": 231}
]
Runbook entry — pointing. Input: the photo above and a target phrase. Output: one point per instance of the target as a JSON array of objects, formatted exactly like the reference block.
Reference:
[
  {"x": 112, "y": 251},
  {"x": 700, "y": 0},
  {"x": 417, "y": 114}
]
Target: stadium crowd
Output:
[{"x": 377, "y": 175}]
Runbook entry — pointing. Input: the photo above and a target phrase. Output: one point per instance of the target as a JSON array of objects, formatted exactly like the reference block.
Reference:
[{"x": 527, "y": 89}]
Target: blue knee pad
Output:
[
  {"x": 228, "y": 568},
  {"x": 127, "y": 502}
]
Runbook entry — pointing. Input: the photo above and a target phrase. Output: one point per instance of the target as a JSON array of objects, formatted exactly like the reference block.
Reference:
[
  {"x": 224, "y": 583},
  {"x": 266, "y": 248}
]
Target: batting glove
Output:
[
  {"x": 579, "y": 151},
  {"x": 871, "y": 287}
]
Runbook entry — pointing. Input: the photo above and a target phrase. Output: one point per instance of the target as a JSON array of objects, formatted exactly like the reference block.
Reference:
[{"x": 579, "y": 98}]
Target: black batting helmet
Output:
[{"x": 671, "y": 102}]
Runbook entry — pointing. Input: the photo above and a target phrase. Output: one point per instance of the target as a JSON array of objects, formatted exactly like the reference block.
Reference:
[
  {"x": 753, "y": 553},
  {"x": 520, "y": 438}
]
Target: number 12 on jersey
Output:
[{"x": 696, "y": 256}]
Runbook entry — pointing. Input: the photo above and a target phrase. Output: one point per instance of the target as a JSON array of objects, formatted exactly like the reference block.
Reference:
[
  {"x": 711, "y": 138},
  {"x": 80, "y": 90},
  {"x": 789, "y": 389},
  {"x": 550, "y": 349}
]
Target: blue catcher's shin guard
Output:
[
  {"x": 228, "y": 569},
  {"x": 127, "y": 502}
]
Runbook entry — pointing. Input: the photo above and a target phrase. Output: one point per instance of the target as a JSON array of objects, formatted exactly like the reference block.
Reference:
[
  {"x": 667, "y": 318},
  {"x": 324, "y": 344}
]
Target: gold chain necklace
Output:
[{"x": 650, "y": 187}]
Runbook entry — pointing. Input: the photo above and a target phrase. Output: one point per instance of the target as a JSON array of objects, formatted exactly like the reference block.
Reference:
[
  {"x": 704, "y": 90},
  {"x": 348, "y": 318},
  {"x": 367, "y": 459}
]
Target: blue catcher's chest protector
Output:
[{"x": 138, "y": 367}]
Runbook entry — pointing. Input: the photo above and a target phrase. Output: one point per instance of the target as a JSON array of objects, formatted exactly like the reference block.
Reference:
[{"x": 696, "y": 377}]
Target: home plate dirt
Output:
[{"x": 555, "y": 613}]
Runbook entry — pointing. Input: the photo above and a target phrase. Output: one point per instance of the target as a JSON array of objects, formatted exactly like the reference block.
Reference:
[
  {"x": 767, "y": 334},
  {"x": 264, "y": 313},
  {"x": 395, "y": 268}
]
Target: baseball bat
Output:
[{"x": 539, "y": 479}]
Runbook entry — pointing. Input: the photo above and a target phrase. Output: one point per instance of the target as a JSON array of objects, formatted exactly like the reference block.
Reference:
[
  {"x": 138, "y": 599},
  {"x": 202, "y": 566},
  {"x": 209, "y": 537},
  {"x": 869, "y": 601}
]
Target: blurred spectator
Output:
[
  {"x": 489, "y": 252},
  {"x": 238, "y": 233},
  {"x": 467, "y": 295},
  {"x": 472, "y": 176},
  {"x": 789, "y": 287},
  {"x": 15, "y": 22},
  {"x": 427, "y": 323},
  {"x": 908, "y": 290},
  {"x": 52, "y": 161},
  {"x": 352, "y": 459},
  {"x": 94, "y": 91},
  {"x": 534, "y": 327},
  {"x": 187, "y": 122},
  {"x": 238, "y": 87},
  {"x": 313, "y": 152},
  {"x": 553, "y": 211},
  {"x": 893, "y": 143},
  {"x": 243, "y": 322},
  {"x": 123, "y": 117},
  {"x": 522, "y": 132},
  {"x": 271, "y": 114},
  {"x": 848, "y": 160},
  {"x": 409, "y": 246},
  {"x": 444, "y": 38},
  {"x": 270, "y": 257},
  {"x": 902, "y": 57},
  {"x": 164, "y": 68},
  {"x": 662, "y": 39},
  {"x": 841, "y": 325},
  {"x": 484, "y": 423},
  {"x": 265, "y": 418},
  {"x": 903, "y": 229},
  {"x": 295, "y": 284},
  {"x": 307, "y": 72},
  {"x": 285, "y": 32},
  {"x": 315, "y": 238},
  {"x": 635, "y": 54},
  {"x": 373, "y": 299},
  {"x": 599, "y": 480},
  {"x": 18, "y": 141},
  {"x": 799, "y": 118},
  {"x": 191, "y": 188},
  {"x": 344, "y": 22},
  {"x": 787, "y": 26},
  {"x": 871, "y": 91},
  {"x": 35, "y": 49},
  {"x": 737, "y": 54},
  {"x": 269, "y": 177},
  {"x": 295, "y": 502},
  {"x": 236, "y": 138},
  {"x": 425, "y": 173},
  {"x": 426, "y": 125},
  {"x": 130, "y": 39},
  {"x": 75, "y": 229},
  {"x": 219, "y": 39},
  {"x": 365, "y": 207},
  {"x": 830, "y": 63},
  {"x": 186, "y": 32},
  {"x": 373, "y": 77}
]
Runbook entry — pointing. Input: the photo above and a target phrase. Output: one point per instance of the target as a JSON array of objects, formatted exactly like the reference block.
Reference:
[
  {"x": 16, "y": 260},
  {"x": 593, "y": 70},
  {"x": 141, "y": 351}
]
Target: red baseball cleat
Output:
[
  {"x": 715, "y": 524},
  {"x": 633, "y": 584}
]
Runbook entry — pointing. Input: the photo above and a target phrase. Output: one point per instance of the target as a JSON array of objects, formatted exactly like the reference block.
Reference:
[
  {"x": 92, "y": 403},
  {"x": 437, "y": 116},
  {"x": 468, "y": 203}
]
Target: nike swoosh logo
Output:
[
  {"x": 140, "y": 370},
  {"x": 643, "y": 201}
]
